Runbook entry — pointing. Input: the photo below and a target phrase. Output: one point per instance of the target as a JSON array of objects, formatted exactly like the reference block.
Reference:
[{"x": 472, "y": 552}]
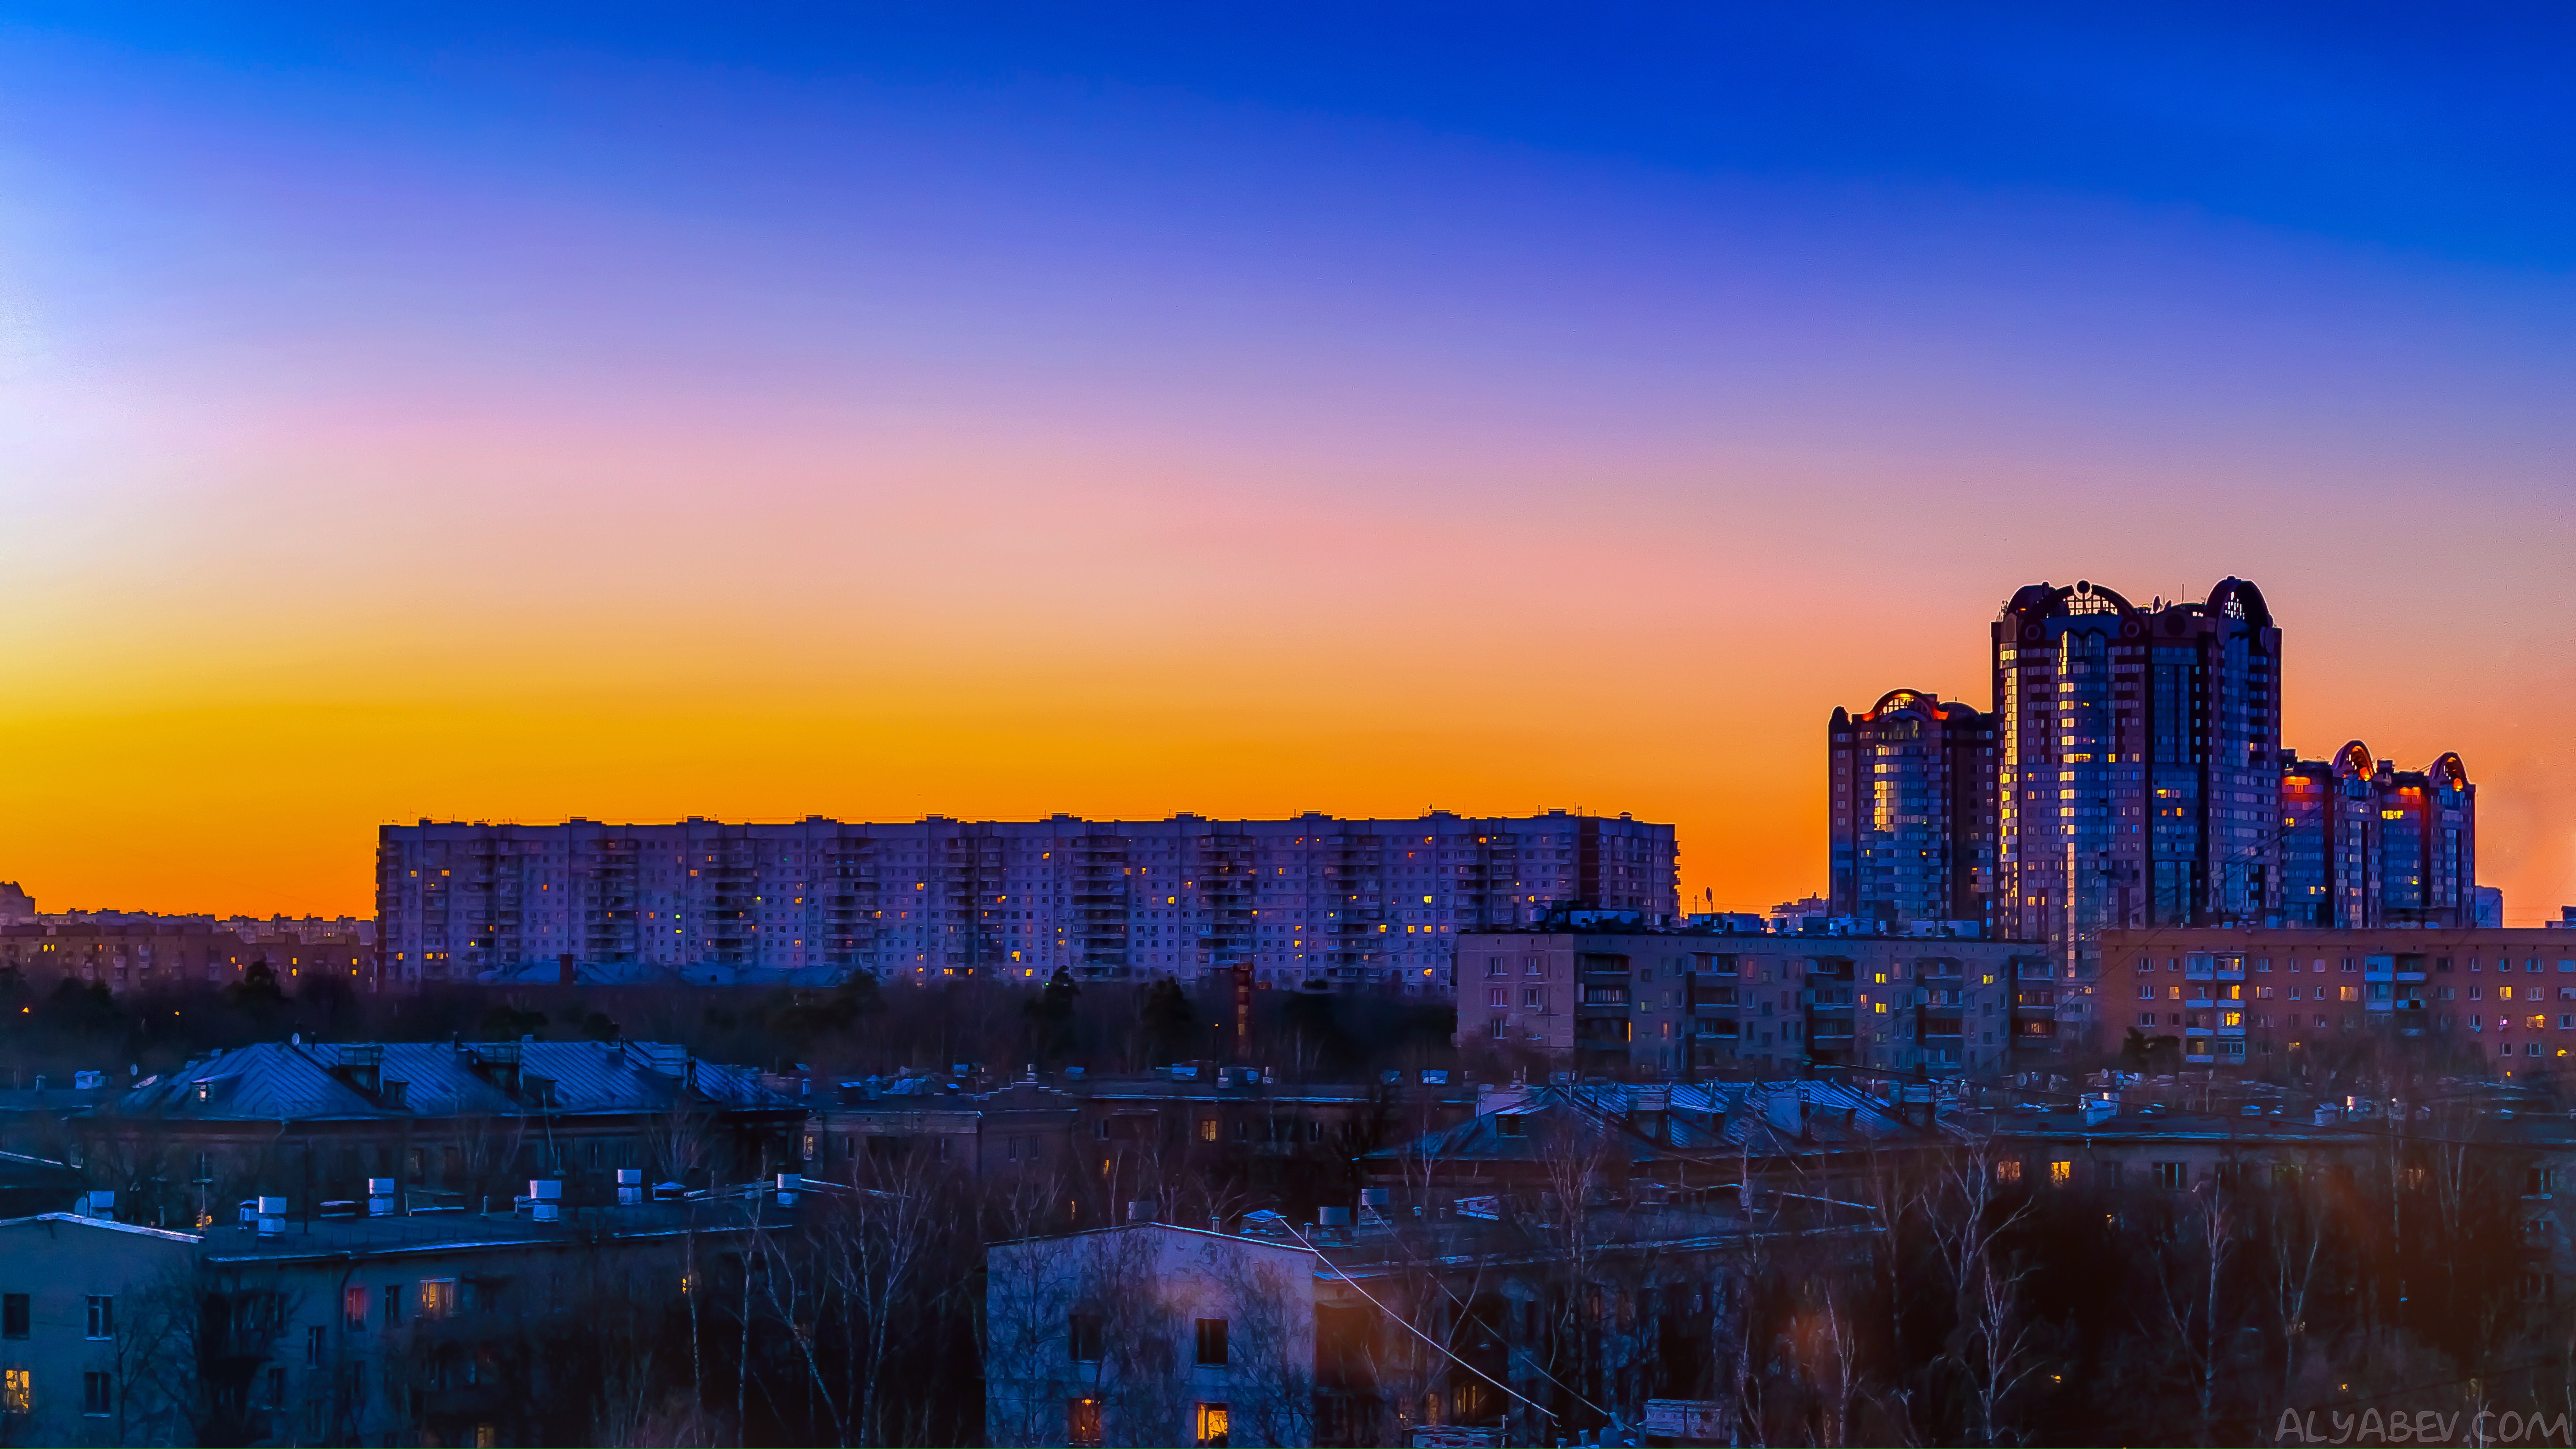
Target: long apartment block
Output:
[{"x": 1312, "y": 900}]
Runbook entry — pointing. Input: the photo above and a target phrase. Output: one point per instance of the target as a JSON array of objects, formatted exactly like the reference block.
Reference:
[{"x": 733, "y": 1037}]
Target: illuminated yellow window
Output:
[
  {"x": 1881, "y": 1008},
  {"x": 1207, "y": 1129},
  {"x": 2060, "y": 1173},
  {"x": 17, "y": 1391},
  {"x": 1213, "y": 1423},
  {"x": 2231, "y": 1018}
]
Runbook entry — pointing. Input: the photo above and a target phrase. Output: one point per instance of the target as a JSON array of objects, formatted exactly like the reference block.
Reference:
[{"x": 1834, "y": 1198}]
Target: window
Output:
[
  {"x": 13, "y": 1315},
  {"x": 102, "y": 1317},
  {"x": 353, "y": 1308},
  {"x": 315, "y": 1337},
  {"x": 2061, "y": 1172},
  {"x": 17, "y": 1386},
  {"x": 2171, "y": 1175},
  {"x": 438, "y": 1298},
  {"x": 1498, "y": 997},
  {"x": 1212, "y": 1423},
  {"x": 1082, "y": 1422},
  {"x": 393, "y": 1304},
  {"x": 2008, "y": 1170},
  {"x": 97, "y": 1390},
  {"x": 1212, "y": 1341},
  {"x": 1207, "y": 1129},
  {"x": 1082, "y": 1330}
]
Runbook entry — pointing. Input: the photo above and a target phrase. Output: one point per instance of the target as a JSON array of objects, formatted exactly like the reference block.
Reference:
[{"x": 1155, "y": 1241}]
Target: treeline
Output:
[
  {"x": 856, "y": 1029},
  {"x": 1996, "y": 1310}
]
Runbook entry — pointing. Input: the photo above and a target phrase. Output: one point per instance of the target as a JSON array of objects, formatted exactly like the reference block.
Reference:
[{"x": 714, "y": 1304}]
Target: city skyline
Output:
[{"x": 571, "y": 416}]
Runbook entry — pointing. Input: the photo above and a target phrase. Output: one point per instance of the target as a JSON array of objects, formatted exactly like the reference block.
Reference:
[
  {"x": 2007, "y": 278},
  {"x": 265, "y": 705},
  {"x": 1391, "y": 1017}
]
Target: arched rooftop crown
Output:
[
  {"x": 2449, "y": 773},
  {"x": 2041, "y": 601},
  {"x": 2352, "y": 762},
  {"x": 2236, "y": 598},
  {"x": 1919, "y": 701}
]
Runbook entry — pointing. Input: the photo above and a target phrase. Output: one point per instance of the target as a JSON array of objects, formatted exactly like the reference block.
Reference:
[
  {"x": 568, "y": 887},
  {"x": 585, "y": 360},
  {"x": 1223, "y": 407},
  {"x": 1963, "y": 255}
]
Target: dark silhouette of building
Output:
[{"x": 2366, "y": 844}]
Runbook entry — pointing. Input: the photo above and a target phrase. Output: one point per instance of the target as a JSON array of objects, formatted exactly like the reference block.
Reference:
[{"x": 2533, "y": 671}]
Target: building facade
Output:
[
  {"x": 1310, "y": 900},
  {"x": 2138, "y": 753},
  {"x": 446, "y": 1124},
  {"x": 172, "y": 954},
  {"x": 350, "y": 1330},
  {"x": 1666, "y": 1004},
  {"x": 1912, "y": 811},
  {"x": 2365, "y": 844},
  {"x": 2256, "y": 998}
]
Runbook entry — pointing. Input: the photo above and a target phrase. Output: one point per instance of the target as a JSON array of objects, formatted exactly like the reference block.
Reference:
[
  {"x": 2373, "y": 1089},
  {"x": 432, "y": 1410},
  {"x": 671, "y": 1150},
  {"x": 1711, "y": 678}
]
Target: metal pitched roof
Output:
[{"x": 274, "y": 1080}]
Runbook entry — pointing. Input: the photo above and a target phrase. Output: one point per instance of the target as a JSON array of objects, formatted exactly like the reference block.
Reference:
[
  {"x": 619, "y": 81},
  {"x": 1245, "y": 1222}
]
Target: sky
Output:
[{"x": 524, "y": 412}]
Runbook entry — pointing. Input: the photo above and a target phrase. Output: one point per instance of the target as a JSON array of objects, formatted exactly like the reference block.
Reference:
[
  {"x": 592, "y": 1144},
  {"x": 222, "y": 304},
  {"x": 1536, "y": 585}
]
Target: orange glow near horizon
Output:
[{"x": 399, "y": 429}]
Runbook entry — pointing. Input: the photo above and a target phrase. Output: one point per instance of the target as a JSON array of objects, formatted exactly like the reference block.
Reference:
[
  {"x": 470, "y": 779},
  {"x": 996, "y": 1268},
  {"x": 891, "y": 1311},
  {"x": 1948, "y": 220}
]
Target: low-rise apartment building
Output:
[
  {"x": 1125, "y": 1138},
  {"x": 2254, "y": 998},
  {"x": 448, "y": 1328},
  {"x": 146, "y": 954},
  {"x": 448, "y": 1123},
  {"x": 1669, "y": 1004}
]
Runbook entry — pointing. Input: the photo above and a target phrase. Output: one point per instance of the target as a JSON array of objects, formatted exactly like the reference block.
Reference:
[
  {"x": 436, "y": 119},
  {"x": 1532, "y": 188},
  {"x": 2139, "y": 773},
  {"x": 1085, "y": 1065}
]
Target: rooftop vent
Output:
[{"x": 380, "y": 1197}]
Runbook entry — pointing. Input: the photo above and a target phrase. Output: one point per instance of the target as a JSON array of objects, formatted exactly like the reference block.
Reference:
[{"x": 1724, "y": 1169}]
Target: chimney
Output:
[{"x": 2100, "y": 1108}]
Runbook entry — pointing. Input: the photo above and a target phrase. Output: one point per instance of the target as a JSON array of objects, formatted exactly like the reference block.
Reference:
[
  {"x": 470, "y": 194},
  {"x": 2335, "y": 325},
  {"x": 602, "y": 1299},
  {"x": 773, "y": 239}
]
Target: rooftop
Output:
[{"x": 318, "y": 1081}]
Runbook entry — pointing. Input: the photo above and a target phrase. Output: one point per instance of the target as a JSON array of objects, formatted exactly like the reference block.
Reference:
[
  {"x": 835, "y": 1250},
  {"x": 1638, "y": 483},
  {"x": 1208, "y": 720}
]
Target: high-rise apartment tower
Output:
[
  {"x": 1912, "y": 809},
  {"x": 2139, "y": 778},
  {"x": 2366, "y": 844}
]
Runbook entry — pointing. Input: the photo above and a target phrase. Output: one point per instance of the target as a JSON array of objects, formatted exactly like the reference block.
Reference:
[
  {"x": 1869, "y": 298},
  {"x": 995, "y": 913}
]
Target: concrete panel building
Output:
[
  {"x": 2256, "y": 998},
  {"x": 1663, "y": 1004},
  {"x": 1309, "y": 900}
]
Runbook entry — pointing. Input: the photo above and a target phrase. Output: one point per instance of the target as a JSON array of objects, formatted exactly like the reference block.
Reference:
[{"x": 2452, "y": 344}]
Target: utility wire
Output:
[{"x": 1407, "y": 1324}]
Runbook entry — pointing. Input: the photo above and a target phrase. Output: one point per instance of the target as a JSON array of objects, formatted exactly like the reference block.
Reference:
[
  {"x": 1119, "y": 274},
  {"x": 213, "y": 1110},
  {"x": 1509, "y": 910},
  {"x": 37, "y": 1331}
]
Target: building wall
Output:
[
  {"x": 1911, "y": 811},
  {"x": 143, "y": 956},
  {"x": 2254, "y": 998},
  {"x": 1309, "y": 900},
  {"x": 1141, "y": 1289},
  {"x": 1658, "y": 1004},
  {"x": 59, "y": 1263}
]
